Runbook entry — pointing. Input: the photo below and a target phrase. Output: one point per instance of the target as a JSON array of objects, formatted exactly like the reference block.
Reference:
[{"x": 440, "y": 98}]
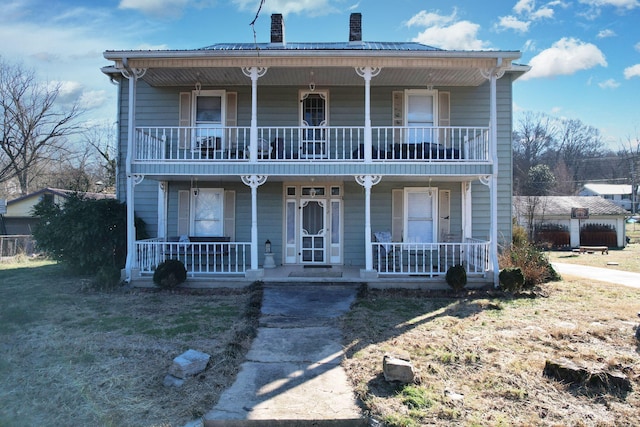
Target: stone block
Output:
[
  {"x": 171, "y": 381},
  {"x": 398, "y": 369},
  {"x": 189, "y": 363}
]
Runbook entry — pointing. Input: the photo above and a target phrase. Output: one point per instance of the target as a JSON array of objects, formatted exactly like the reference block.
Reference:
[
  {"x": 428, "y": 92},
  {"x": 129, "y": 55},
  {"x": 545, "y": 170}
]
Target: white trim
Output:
[
  {"x": 333, "y": 252},
  {"x": 222, "y": 94},
  {"x": 421, "y": 92},
  {"x": 193, "y": 208},
  {"x": 432, "y": 192}
]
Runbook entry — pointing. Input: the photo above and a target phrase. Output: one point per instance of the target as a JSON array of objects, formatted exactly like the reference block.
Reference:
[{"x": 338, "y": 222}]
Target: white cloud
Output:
[
  {"x": 529, "y": 46},
  {"x": 637, "y": 46},
  {"x": 620, "y": 4},
  {"x": 446, "y": 32},
  {"x": 606, "y": 33},
  {"x": 93, "y": 99},
  {"x": 286, "y": 7},
  {"x": 543, "y": 12},
  {"x": 524, "y": 6},
  {"x": 609, "y": 84},
  {"x": 633, "y": 71},
  {"x": 565, "y": 57},
  {"x": 156, "y": 8},
  {"x": 513, "y": 23},
  {"x": 427, "y": 19}
]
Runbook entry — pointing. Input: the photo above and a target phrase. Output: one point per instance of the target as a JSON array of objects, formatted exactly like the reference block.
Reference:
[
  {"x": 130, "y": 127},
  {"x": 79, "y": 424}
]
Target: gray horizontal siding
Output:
[{"x": 279, "y": 106}]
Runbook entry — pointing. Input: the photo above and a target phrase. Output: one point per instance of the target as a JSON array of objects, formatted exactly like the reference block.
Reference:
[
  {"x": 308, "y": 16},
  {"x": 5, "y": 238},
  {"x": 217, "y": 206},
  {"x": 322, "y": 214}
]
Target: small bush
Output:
[
  {"x": 533, "y": 263},
  {"x": 170, "y": 274},
  {"x": 519, "y": 235},
  {"x": 456, "y": 277},
  {"x": 511, "y": 279}
]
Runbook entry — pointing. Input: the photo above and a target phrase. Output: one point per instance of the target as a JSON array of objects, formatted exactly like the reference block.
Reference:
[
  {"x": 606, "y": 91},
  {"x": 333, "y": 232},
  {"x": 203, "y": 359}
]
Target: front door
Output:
[
  {"x": 313, "y": 231},
  {"x": 313, "y": 224}
]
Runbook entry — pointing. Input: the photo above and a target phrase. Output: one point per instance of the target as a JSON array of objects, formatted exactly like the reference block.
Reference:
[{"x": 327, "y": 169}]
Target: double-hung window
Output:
[{"x": 420, "y": 215}]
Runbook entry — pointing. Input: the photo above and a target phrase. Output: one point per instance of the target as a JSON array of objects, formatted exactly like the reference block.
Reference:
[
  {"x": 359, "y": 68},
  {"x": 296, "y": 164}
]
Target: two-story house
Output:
[{"x": 392, "y": 159}]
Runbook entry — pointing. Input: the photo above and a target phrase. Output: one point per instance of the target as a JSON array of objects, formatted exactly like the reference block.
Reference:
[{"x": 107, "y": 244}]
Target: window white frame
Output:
[
  {"x": 209, "y": 134},
  {"x": 421, "y": 220},
  {"x": 420, "y": 114},
  {"x": 207, "y": 220}
]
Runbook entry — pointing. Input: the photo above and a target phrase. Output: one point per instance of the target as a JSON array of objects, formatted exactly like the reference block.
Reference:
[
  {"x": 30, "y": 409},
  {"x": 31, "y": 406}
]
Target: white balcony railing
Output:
[
  {"x": 296, "y": 144},
  {"x": 431, "y": 259},
  {"x": 200, "y": 258}
]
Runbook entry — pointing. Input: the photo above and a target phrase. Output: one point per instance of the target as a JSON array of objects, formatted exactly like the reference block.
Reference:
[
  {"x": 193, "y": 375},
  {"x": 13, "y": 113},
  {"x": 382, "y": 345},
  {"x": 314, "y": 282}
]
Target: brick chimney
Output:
[
  {"x": 355, "y": 27},
  {"x": 277, "y": 28}
]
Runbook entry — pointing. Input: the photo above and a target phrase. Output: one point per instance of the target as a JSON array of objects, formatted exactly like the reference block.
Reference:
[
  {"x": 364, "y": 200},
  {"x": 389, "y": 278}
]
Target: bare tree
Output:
[
  {"x": 34, "y": 127},
  {"x": 102, "y": 139},
  {"x": 533, "y": 137},
  {"x": 630, "y": 153},
  {"x": 564, "y": 185},
  {"x": 578, "y": 142}
]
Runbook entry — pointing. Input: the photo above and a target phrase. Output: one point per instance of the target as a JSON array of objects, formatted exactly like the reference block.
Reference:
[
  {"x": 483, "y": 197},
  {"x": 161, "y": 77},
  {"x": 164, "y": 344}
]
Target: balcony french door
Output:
[{"x": 313, "y": 119}]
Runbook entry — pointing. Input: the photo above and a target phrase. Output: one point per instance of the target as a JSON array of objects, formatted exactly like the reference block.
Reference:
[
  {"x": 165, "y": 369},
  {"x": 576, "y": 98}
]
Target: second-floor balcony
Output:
[{"x": 458, "y": 144}]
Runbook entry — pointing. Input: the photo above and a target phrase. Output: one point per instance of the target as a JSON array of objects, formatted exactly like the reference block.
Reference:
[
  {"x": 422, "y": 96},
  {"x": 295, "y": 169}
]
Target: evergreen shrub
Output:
[
  {"x": 456, "y": 277},
  {"x": 169, "y": 274}
]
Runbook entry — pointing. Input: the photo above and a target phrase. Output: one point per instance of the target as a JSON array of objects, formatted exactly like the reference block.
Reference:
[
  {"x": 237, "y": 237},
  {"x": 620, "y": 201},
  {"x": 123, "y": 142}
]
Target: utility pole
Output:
[{"x": 634, "y": 185}]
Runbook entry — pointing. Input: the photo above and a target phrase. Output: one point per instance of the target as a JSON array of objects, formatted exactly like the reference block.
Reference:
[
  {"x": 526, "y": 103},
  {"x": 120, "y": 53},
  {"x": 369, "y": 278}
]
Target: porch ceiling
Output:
[
  {"x": 339, "y": 76},
  {"x": 329, "y": 67}
]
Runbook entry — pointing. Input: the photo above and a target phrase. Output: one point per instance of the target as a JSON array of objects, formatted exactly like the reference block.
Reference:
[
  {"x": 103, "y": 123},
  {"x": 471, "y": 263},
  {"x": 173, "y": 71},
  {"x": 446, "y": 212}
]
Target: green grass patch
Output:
[{"x": 416, "y": 397}]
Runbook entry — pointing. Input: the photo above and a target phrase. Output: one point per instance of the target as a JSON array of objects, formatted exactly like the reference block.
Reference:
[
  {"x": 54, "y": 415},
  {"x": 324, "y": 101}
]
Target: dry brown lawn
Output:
[
  {"x": 74, "y": 356},
  {"x": 70, "y": 355},
  {"x": 492, "y": 349},
  {"x": 627, "y": 259}
]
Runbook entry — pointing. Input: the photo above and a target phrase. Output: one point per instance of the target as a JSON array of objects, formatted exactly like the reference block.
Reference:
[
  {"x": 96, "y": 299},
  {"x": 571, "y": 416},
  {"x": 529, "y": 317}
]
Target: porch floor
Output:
[{"x": 297, "y": 274}]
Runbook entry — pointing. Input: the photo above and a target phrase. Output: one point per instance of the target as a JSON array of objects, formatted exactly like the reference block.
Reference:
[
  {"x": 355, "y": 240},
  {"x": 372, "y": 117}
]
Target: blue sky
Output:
[{"x": 585, "y": 53}]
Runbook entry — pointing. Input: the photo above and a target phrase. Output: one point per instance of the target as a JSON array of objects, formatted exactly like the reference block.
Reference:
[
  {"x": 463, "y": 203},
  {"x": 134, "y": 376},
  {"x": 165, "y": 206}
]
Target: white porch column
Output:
[
  {"x": 367, "y": 73},
  {"x": 368, "y": 181},
  {"x": 493, "y": 75},
  {"x": 132, "y": 74},
  {"x": 254, "y": 181},
  {"x": 254, "y": 73},
  {"x": 163, "y": 187},
  {"x": 467, "y": 212}
]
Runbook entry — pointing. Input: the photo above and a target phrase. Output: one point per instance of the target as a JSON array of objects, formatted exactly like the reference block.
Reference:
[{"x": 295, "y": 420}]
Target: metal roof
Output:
[
  {"x": 603, "y": 189},
  {"x": 562, "y": 205},
  {"x": 359, "y": 45}
]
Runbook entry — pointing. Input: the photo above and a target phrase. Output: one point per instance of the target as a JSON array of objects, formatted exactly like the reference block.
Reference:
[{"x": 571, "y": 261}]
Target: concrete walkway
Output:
[
  {"x": 293, "y": 376},
  {"x": 601, "y": 274}
]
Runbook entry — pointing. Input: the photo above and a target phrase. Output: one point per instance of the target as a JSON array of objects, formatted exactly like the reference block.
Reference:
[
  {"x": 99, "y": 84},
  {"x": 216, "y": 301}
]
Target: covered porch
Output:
[{"x": 413, "y": 228}]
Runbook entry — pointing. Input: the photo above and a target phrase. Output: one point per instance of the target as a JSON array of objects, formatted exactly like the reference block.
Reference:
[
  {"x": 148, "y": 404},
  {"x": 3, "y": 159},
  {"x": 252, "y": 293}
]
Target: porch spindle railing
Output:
[
  {"x": 320, "y": 143},
  {"x": 199, "y": 258},
  {"x": 431, "y": 259}
]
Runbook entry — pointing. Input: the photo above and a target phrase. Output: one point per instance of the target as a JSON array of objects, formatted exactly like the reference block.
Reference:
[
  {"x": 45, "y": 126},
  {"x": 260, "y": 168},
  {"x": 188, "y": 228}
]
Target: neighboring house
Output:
[
  {"x": 19, "y": 219},
  {"x": 620, "y": 194},
  {"x": 317, "y": 148},
  {"x": 573, "y": 214}
]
